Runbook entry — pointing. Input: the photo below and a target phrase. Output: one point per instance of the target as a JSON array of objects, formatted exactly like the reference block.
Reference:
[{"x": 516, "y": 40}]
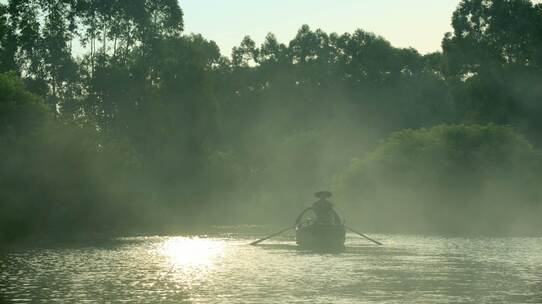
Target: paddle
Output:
[
  {"x": 363, "y": 235},
  {"x": 270, "y": 236}
]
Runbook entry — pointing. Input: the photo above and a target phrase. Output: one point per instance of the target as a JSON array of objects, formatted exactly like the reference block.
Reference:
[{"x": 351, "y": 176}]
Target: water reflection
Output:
[
  {"x": 224, "y": 269},
  {"x": 187, "y": 263},
  {"x": 184, "y": 252}
]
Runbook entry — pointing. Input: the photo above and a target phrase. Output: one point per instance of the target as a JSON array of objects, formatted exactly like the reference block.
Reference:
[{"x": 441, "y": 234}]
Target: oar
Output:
[
  {"x": 363, "y": 235},
  {"x": 270, "y": 236}
]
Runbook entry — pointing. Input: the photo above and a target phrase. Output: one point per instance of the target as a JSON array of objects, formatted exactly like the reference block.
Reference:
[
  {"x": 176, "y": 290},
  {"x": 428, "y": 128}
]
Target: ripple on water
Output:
[{"x": 223, "y": 269}]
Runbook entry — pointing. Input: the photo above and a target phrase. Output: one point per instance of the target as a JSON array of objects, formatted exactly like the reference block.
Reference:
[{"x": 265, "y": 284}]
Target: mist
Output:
[{"x": 152, "y": 130}]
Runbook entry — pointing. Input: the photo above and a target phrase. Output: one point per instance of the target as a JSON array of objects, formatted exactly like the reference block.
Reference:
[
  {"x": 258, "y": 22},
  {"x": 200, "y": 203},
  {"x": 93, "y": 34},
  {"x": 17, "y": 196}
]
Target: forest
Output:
[{"x": 115, "y": 121}]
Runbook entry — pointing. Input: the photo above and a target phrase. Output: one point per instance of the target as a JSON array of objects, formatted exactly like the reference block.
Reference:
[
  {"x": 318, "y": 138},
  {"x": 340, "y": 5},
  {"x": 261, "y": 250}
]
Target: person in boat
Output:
[{"x": 323, "y": 209}]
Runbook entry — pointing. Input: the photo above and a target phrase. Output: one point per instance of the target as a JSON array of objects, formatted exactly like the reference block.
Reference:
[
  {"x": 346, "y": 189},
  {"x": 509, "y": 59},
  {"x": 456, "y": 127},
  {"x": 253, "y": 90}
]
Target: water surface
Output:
[{"x": 222, "y": 268}]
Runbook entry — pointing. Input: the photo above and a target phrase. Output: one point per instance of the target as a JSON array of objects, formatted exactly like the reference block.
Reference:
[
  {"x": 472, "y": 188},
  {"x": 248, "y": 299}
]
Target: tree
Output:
[
  {"x": 57, "y": 178},
  {"x": 492, "y": 60},
  {"x": 21, "y": 113},
  {"x": 491, "y": 34},
  {"x": 272, "y": 52},
  {"x": 246, "y": 53},
  {"x": 8, "y": 42},
  {"x": 449, "y": 178}
]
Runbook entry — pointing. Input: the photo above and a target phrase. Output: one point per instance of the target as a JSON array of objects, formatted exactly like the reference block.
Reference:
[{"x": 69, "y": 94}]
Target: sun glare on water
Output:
[{"x": 190, "y": 253}]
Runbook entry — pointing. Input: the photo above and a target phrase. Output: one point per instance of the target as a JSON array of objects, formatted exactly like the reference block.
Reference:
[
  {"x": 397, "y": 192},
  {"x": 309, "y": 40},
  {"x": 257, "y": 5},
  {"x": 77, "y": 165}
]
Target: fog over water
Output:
[
  {"x": 125, "y": 141},
  {"x": 222, "y": 268}
]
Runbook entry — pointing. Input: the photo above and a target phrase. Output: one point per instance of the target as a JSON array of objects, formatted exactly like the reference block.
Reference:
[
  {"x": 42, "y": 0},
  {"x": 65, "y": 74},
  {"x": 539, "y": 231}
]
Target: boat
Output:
[
  {"x": 326, "y": 232},
  {"x": 320, "y": 236}
]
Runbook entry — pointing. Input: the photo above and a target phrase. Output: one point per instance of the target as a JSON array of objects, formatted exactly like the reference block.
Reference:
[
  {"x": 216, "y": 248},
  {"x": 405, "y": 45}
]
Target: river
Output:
[{"x": 220, "y": 267}]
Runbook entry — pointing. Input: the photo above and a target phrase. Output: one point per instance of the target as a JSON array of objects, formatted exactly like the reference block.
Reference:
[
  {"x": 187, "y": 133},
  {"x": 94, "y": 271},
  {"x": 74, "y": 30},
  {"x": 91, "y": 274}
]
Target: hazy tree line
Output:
[{"x": 149, "y": 127}]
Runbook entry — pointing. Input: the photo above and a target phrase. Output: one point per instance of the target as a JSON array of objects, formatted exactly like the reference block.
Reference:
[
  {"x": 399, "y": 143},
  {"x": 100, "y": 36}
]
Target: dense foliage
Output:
[
  {"x": 56, "y": 176},
  {"x": 450, "y": 177},
  {"x": 154, "y": 124}
]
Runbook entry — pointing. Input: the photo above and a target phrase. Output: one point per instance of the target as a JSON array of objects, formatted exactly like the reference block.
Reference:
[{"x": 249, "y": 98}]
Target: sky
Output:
[{"x": 420, "y": 24}]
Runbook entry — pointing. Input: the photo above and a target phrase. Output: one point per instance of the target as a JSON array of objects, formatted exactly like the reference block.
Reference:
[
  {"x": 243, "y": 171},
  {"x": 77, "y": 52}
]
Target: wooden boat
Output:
[
  {"x": 327, "y": 232},
  {"x": 320, "y": 236}
]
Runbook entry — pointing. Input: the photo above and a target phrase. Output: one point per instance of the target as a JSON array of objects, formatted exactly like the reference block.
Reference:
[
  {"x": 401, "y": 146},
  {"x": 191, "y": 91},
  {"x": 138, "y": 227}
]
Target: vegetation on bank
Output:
[
  {"x": 150, "y": 127},
  {"x": 56, "y": 178},
  {"x": 482, "y": 176}
]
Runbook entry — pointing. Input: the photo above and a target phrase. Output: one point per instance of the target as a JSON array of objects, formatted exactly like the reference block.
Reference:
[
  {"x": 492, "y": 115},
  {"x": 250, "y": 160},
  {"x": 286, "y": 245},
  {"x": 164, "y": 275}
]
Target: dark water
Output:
[{"x": 221, "y": 268}]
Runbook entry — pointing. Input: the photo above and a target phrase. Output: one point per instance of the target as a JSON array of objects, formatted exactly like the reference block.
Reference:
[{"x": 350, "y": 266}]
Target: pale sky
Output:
[{"x": 405, "y": 23}]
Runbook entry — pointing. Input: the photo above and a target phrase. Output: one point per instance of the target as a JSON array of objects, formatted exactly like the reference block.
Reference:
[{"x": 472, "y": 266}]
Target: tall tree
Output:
[
  {"x": 489, "y": 34},
  {"x": 493, "y": 61},
  {"x": 8, "y": 42}
]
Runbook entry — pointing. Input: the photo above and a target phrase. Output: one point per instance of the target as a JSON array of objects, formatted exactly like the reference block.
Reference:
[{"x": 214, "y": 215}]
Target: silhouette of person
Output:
[
  {"x": 323, "y": 209},
  {"x": 325, "y": 213}
]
